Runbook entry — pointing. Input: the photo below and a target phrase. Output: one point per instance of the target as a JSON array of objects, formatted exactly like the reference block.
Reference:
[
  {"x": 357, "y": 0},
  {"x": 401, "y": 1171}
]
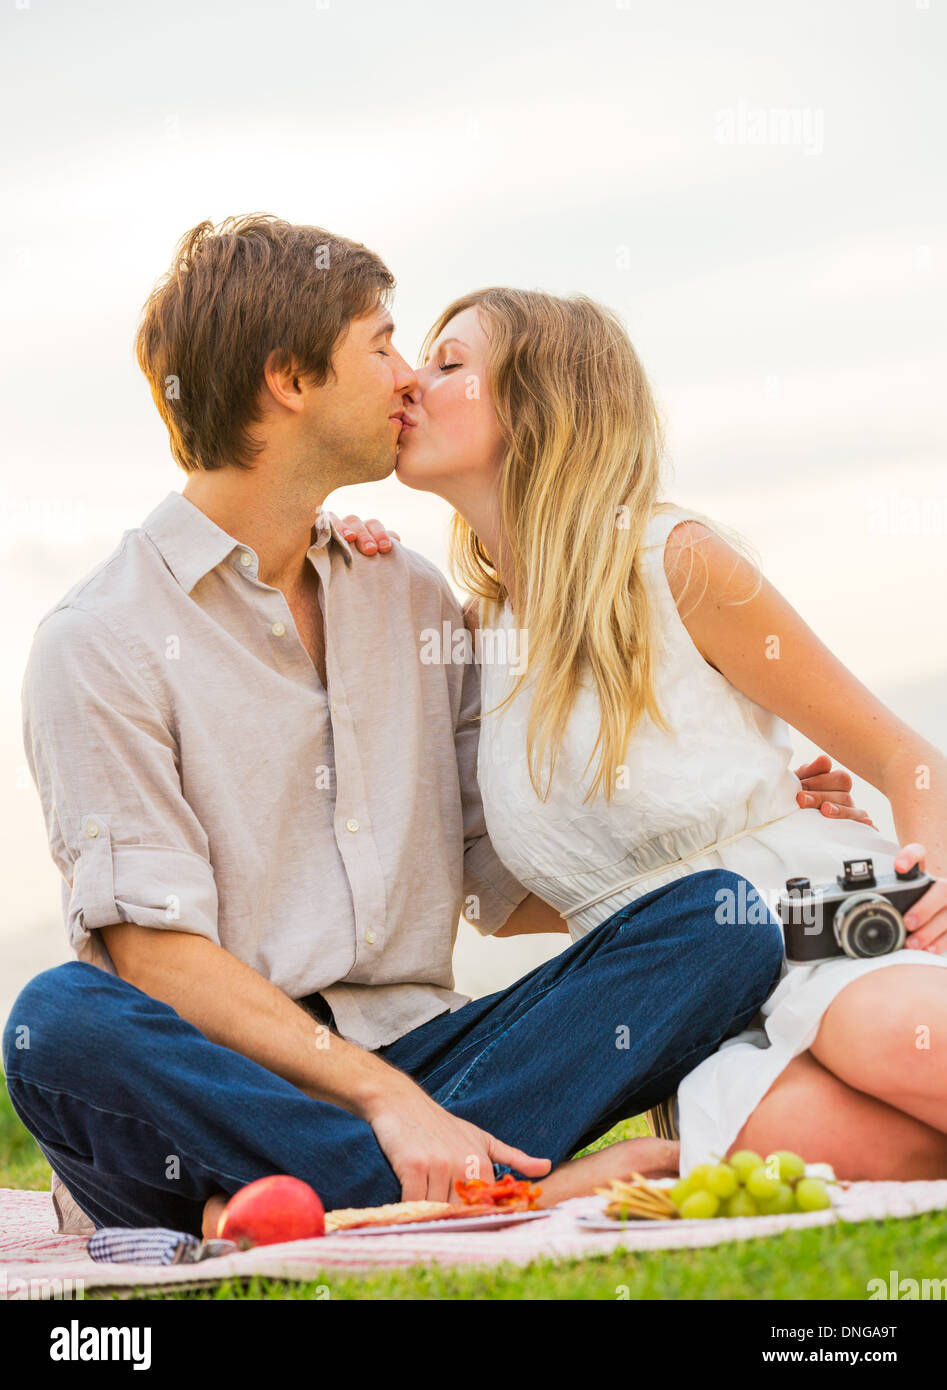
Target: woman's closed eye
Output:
[{"x": 448, "y": 366}]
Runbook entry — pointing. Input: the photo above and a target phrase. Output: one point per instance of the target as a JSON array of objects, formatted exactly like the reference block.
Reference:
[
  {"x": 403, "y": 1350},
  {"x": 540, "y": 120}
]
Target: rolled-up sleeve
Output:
[
  {"x": 490, "y": 891},
  {"x": 100, "y": 748}
]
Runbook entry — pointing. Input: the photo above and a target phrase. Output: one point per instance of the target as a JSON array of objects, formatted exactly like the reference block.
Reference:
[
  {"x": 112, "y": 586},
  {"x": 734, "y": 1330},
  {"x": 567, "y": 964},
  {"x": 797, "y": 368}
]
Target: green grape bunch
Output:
[{"x": 749, "y": 1185}]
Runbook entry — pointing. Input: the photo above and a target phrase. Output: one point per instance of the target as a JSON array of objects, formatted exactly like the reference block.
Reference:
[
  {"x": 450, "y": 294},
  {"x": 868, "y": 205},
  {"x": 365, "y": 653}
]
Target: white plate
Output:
[
  {"x": 608, "y": 1223},
  {"x": 489, "y": 1222}
]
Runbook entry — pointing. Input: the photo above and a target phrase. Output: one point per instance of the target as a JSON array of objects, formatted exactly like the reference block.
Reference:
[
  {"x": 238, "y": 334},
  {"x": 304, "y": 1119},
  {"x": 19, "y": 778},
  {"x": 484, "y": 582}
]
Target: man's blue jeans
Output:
[{"x": 144, "y": 1118}]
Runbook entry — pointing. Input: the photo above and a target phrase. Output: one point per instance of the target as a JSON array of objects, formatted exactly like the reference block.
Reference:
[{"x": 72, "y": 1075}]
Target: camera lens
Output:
[{"x": 867, "y": 925}]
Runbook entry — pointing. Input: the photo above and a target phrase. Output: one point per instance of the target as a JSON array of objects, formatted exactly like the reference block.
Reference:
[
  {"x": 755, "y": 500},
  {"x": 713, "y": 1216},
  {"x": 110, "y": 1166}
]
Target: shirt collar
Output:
[
  {"x": 192, "y": 545},
  {"x": 325, "y": 530}
]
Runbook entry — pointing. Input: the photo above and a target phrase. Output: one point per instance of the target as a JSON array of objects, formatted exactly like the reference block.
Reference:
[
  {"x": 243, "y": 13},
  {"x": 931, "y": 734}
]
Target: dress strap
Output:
[
  {"x": 662, "y": 523},
  {"x": 653, "y": 544}
]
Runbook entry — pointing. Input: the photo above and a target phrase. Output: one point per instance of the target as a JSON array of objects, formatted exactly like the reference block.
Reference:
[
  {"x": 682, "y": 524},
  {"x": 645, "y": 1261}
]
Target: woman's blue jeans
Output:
[{"x": 144, "y": 1118}]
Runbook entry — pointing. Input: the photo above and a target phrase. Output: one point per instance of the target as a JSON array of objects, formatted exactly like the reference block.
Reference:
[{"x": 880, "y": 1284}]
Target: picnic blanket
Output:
[{"x": 33, "y": 1257}]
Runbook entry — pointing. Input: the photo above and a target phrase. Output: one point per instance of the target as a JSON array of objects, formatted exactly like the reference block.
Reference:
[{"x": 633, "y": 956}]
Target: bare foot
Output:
[
  {"x": 213, "y": 1210},
  {"x": 653, "y": 1158}
]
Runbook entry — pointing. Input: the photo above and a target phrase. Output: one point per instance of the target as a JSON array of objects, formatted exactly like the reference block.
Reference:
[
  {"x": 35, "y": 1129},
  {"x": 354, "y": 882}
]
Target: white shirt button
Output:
[
  {"x": 92, "y": 829},
  {"x": 335, "y": 708},
  {"x": 246, "y": 559},
  {"x": 278, "y": 629},
  {"x": 351, "y": 824},
  {"x": 370, "y": 937}
]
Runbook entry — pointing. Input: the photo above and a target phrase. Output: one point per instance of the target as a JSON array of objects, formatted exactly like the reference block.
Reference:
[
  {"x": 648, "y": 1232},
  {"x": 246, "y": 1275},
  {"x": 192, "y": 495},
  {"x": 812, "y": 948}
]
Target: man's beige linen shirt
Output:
[{"x": 196, "y": 775}]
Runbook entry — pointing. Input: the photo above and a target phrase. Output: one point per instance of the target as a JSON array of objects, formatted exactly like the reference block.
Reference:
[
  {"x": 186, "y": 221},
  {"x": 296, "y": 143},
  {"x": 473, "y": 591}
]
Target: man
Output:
[{"x": 265, "y": 811}]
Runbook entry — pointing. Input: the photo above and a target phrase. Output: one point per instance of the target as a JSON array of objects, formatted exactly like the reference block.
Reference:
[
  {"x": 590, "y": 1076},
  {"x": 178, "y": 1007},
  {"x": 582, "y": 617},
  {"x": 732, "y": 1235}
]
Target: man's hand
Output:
[
  {"x": 370, "y": 537},
  {"x": 429, "y": 1148},
  {"x": 828, "y": 791}
]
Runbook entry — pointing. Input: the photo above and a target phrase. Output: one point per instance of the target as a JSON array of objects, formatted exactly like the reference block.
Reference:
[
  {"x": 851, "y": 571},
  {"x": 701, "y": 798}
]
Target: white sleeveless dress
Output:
[{"x": 718, "y": 792}]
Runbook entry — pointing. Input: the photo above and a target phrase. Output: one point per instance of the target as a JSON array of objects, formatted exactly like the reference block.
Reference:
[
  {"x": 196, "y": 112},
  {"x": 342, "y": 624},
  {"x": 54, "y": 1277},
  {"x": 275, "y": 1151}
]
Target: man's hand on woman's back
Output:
[{"x": 828, "y": 790}]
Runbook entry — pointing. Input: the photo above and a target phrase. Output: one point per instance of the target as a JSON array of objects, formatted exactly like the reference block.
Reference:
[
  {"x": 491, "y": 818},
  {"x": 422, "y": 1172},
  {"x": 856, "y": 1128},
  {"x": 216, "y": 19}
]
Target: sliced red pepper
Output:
[{"x": 504, "y": 1193}]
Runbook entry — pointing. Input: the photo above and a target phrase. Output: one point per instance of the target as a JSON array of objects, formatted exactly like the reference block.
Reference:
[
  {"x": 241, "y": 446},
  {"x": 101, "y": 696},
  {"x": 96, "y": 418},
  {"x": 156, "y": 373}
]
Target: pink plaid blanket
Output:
[{"x": 33, "y": 1258}]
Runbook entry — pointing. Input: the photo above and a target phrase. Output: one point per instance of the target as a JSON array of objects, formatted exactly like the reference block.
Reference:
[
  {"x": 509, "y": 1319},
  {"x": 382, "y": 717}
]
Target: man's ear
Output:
[{"x": 281, "y": 374}]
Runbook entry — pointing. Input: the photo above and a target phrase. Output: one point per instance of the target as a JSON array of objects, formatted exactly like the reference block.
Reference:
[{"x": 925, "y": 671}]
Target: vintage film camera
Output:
[{"x": 860, "y": 915}]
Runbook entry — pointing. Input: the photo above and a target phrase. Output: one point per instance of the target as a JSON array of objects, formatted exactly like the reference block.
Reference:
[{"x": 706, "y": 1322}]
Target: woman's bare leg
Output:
[
  {"x": 886, "y": 1034},
  {"x": 213, "y": 1211},
  {"x": 579, "y": 1177},
  {"x": 820, "y": 1117}
]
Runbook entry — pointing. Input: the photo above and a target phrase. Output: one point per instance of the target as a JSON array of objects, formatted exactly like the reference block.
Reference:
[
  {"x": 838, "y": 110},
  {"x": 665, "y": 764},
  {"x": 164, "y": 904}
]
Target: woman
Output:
[{"x": 647, "y": 738}]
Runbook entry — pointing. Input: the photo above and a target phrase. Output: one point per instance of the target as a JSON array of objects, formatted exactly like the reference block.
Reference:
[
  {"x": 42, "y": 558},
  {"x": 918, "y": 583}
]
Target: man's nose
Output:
[{"x": 406, "y": 379}]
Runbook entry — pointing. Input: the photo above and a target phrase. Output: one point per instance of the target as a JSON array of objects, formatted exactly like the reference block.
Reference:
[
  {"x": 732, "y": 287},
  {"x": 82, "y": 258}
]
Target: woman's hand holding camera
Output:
[{"x": 926, "y": 920}]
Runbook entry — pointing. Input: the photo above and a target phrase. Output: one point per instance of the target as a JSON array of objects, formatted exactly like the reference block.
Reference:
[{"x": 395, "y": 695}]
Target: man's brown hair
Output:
[{"x": 234, "y": 294}]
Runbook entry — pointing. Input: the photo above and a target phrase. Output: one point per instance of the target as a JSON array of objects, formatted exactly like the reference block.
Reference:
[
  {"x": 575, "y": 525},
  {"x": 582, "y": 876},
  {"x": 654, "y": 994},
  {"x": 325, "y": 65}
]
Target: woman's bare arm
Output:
[{"x": 765, "y": 649}]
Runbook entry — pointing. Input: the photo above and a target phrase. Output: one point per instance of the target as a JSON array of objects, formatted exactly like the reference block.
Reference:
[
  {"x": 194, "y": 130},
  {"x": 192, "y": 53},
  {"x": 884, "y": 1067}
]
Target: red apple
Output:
[{"x": 271, "y": 1210}]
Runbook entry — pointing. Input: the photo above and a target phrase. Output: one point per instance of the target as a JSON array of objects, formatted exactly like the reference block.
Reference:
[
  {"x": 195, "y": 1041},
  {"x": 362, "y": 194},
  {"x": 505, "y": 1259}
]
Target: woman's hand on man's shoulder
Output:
[
  {"x": 370, "y": 537},
  {"x": 472, "y": 614}
]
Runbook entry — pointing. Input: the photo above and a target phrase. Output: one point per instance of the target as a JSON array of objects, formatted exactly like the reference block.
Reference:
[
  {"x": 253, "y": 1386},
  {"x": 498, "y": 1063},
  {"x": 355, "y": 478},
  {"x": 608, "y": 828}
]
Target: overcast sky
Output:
[{"x": 757, "y": 189}]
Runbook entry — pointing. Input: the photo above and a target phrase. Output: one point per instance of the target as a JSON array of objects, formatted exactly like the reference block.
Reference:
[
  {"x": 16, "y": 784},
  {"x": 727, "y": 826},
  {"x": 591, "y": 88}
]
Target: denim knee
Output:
[
  {"x": 48, "y": 1014},
  {"x": 746, "y": 934}
]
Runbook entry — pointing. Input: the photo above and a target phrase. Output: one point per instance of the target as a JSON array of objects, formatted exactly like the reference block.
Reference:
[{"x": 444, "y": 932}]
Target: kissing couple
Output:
[{"x": 269, "y": 811}]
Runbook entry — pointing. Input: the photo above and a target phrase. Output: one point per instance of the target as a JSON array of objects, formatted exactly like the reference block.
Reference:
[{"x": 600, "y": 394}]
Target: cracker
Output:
[{"x": 400, "y": 1214}]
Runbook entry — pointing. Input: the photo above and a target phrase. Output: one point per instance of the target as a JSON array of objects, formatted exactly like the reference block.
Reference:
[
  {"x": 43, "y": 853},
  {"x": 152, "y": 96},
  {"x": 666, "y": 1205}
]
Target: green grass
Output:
[
  {"x": 21, "y": 1163},
  {"x": 816, "y": 1264}
]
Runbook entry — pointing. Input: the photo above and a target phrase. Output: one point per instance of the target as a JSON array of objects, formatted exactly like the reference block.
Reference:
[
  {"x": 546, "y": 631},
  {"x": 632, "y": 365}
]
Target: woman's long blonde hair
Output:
[{"x": 579, "y": 484}]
